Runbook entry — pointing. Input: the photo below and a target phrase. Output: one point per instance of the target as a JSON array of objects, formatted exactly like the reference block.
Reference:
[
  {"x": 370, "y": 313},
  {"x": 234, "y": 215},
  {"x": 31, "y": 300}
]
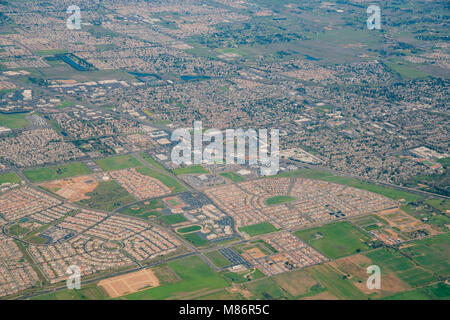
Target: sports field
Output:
[
  {"x": 195, "y": 239},
  {"x": 57, "y": 172},
  {"x": 189, "y": 229},
  {"x": 336, "y": 239},
  {"x": 145, "y": 209},
  {"x": 173, "y": 219}
]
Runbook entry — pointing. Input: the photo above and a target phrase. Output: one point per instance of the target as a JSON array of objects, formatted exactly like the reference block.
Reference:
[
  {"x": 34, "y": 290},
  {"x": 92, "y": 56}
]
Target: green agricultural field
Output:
[
  {"x": 195, "y": 277},
  {"x": 168, "y": 181},
  {"x": 336, "y": 240},
  {"x": 118, "y": 163},
  {"x": 339, "y": 286},
  {"x": 195, "y": 239},
  {"x": 218, "y": 259},
  {"x": 190, "y": 170},
  {"x": 57, "y": 172},
  {"x": 432, "y": 254},
  {"x": 9, "y": 177},
  {"x": 403, "y": 267},
  {"x": 232, "y": 176},
  {"x": 189, "y": 229},
  {"x": 257, "y": 229},
  {"x": 438, "y": 291},
  {"x": 108, "y": 196},
  {"x": 266, "y": 289},
  {"x": 278, "y": 200},
  {"x": 173, "y": 219},
  {"x": 13, "y": 121}
]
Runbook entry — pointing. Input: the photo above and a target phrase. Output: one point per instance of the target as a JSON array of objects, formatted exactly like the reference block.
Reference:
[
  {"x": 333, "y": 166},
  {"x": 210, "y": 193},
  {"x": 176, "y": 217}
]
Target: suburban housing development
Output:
[{"x": 89, "y": 187}]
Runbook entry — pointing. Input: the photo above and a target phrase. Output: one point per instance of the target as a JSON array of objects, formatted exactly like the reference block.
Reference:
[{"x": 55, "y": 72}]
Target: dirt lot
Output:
[
  {"x": 129, "y": 283},
  {"x": 73, "y": 189}
]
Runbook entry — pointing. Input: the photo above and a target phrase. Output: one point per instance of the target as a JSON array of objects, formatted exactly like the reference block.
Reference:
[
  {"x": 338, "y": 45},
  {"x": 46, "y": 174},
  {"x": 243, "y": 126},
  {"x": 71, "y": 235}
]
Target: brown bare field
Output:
[
  {"x": 255, "y": 253},
  {"x": 296, "y": 282},
  {"x": 355, "y": 268},
  {"x": 129, "y": 283},
  {"x": 72, "y": 189}
]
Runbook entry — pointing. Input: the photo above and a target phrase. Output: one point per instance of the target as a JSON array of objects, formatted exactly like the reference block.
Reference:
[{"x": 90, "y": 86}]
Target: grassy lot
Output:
[
  {"x": 9, "y": 177},
  {"x": 170, "y": 182},
  {"x": 335, "y": 239},
  {"x": 89, "y": 292},
  {"x": 189, "y": 229},
  {"x": 195, "y": 277},
  {"x": 439, "y": 204},
  {"x": 189, "y": 170},
  {"x": 370, "y": 222},
  {"x": 49, "y": 52},
  {"x": 232, "y": 176},
  {"x": 13, "y": 121},
  {"x": 57, "y": 172},
  {"x": 118, "y": 163},
  {"x": 195, "y": 239},
  {"x": 108, "y": 195},
  {"x": 257, "y": 229},
  {"x": 173, "y": 219},
  {"x": 278, "y": 200},
  {"x": 401, "y": 266},
  {"x": 242, "y": 277},
  {"x": 218, "y": 259},
  {"x": 406, "y": 71},
  {"x": 152, "y": 161}
]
